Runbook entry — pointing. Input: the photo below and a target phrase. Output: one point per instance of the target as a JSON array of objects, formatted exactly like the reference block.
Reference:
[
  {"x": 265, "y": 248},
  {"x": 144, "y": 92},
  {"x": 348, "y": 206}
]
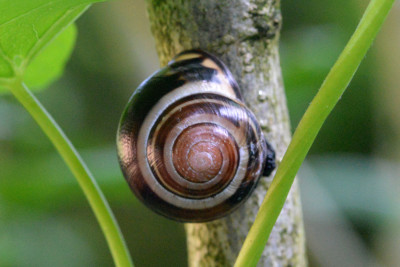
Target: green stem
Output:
[
  {"x": 85, "y": 179},
  {"x": 329, "y": 94}
]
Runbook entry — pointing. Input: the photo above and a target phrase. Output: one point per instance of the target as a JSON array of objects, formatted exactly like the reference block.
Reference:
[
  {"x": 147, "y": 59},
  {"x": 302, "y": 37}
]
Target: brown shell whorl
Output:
[
  {"x": 187, "y": 145},
  {"x": 193, "y": 149}
]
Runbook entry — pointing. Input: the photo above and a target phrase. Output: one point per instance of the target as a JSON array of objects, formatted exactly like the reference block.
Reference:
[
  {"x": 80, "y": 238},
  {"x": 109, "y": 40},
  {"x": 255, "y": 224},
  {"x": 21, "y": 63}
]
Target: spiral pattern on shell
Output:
[{"x": 187, "y": 145}]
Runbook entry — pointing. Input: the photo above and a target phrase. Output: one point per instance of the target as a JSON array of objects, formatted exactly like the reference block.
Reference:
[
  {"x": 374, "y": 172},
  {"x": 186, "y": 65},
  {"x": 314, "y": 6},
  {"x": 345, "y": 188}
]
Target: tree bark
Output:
[{"x": 244, "y": 34}]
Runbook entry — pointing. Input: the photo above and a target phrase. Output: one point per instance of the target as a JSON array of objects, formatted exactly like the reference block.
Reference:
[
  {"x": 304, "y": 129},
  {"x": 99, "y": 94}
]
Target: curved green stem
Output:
[
  {"x": 321, "y": 106},
  {"x": 85, "y": 179}
]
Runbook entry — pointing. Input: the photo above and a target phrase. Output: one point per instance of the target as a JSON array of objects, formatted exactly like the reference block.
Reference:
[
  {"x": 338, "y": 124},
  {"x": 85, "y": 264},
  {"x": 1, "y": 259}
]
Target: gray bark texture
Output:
[{"x": 244, "y": 35}]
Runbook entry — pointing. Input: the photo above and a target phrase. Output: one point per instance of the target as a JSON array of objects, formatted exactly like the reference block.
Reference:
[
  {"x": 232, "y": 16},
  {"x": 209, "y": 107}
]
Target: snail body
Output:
[{"x": 187, "y": 145}]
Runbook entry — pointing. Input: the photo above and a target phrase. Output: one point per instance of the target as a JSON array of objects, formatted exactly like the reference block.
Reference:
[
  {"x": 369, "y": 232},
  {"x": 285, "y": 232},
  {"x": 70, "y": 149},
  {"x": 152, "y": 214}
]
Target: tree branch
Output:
[{"x": 244, "y": 34}]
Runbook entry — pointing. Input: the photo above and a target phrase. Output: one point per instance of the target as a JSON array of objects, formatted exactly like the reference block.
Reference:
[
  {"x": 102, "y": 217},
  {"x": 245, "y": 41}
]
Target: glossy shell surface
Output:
[{"x": 188, "y": 147}]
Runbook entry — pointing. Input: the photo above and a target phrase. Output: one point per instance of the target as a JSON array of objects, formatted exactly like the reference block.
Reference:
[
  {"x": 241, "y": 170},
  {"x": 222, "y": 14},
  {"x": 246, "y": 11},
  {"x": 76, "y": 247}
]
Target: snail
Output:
[{"x": 187, "y": 145}]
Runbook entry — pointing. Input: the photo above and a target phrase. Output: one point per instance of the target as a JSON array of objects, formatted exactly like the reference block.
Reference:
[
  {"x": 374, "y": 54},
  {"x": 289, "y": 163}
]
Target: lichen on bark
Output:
[{"x": 244, "y": 34}]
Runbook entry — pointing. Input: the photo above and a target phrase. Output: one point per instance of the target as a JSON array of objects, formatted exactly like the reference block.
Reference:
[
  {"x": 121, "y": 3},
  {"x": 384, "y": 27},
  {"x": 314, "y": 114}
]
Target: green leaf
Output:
[
  {"x": 27, "y": 26},
  {"x": 49, "y": 64}
]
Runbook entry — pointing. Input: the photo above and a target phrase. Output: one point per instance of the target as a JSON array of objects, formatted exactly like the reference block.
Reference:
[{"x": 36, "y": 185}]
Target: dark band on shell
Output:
[{"x": 187, "y": 145}]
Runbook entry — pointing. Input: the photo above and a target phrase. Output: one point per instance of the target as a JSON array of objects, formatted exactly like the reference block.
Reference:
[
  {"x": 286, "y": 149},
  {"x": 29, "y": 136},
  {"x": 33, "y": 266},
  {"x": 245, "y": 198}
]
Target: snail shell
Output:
[{"x": 187, "y": 145}]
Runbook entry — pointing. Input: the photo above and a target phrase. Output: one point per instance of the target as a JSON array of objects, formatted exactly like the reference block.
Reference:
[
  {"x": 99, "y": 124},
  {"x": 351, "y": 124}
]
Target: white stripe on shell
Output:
[
  {"x": 197, "y": 119},
  {"x": 170, "y": 98}
]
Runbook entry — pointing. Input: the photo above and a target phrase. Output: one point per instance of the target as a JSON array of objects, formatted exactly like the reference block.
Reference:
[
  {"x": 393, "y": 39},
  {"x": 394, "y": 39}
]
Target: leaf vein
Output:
[
  {"x": 43, "y": 39},
  {"x": 28, "y": 12}
]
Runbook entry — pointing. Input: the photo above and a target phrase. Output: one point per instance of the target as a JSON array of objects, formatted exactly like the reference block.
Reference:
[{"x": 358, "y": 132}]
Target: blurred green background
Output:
[{"x": 350, "y": 190}]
